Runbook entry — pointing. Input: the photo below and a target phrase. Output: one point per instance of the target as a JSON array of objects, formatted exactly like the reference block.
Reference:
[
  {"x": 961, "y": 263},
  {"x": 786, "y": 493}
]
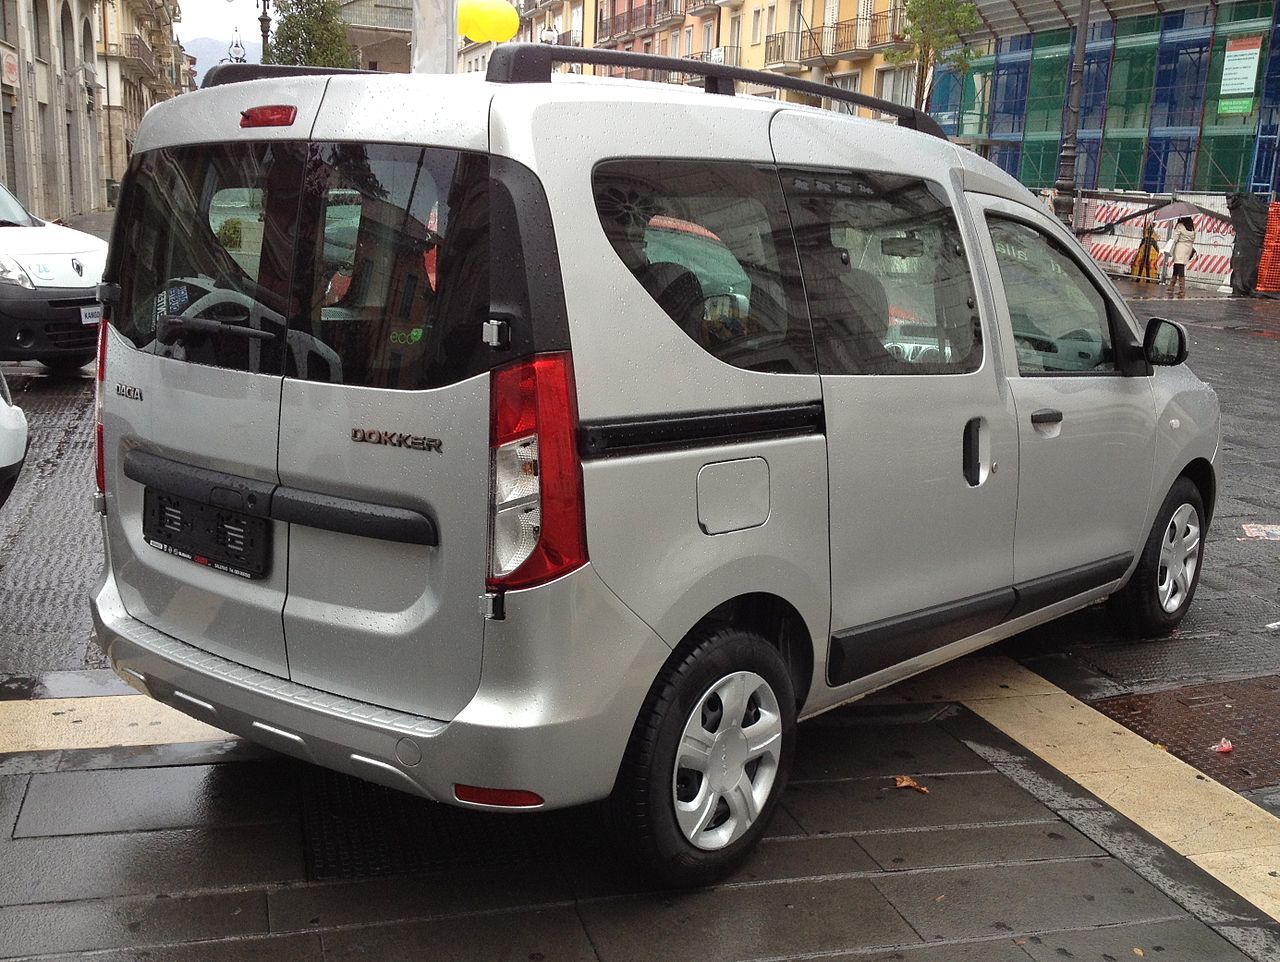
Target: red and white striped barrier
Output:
[{"x": 1115, "y": 252}]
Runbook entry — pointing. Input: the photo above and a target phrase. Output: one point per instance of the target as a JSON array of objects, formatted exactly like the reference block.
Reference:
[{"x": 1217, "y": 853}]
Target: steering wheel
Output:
[
  {"x": 1081, "y": 334},
  {"x": 220, "y": 296}
]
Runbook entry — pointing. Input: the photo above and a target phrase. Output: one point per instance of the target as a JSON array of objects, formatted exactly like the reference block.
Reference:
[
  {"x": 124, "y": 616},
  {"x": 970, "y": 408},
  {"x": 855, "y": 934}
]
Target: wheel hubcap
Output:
[
  {"x": 1179, "y": 556},
  {"x": 727, "y": 761}
]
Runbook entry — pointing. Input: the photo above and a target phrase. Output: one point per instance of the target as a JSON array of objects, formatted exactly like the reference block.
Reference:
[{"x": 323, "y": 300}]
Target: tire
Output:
[
  {"x": 68, "y": 365},
  {"x": 1159, "y": 594},
  {"x": 658, "y": 808}
]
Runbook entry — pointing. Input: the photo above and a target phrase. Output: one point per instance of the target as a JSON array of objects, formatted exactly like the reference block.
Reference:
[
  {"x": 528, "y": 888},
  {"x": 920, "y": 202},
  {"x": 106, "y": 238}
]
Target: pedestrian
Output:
[
  {"x": 1148, "y": 256},
  {"x": 1183, "y": 239}
]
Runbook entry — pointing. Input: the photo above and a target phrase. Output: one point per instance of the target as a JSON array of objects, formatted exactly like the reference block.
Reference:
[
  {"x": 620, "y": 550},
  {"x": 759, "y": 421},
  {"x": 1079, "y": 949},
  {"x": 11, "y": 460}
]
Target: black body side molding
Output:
[
  {"x": 278, "y": 502},
  {"x": 859, "y": 652},
  {"x": 673, "y": 432}
]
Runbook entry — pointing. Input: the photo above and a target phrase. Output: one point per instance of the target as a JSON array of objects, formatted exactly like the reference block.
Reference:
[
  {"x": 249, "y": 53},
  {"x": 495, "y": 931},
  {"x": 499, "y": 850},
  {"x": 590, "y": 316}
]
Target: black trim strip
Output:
[
  {"x": 599, "y": 439},
  {"x": 265, "y": 499},
  {"x": 1042, "y": 592},
  {"x": 859, "y": 652},
  {"x": 882, "y": 644}
]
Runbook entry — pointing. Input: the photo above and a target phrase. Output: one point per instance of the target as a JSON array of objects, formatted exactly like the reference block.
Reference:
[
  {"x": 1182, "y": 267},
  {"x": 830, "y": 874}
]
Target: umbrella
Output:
[{"x": 1180, "y": 208}]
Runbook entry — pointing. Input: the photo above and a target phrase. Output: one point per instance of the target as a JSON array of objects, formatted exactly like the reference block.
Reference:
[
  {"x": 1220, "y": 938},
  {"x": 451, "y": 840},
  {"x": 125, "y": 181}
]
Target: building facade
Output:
[
  {"x": 142, "y": 63},
  {"x": 1176, "y": 97},
  {"x": 381, "y": 31},
  {"x": 48, "y": 95}
]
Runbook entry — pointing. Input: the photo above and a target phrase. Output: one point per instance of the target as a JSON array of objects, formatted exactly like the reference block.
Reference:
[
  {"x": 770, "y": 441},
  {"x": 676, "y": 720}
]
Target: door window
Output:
[
  {"x": 885, "y": 272},
  {"x": 710, "y": 244},
  {"x": 1059, "y": 317}
]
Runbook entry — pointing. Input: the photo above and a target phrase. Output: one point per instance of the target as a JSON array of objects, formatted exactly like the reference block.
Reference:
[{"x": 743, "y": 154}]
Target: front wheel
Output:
[
  {"x": 1159, "y": 594},
  {"x": 708, "y": 758}
]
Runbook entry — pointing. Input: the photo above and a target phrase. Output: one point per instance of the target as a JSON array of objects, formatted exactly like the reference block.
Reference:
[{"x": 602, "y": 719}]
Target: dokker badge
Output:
[{"x": 395, "y": 439}]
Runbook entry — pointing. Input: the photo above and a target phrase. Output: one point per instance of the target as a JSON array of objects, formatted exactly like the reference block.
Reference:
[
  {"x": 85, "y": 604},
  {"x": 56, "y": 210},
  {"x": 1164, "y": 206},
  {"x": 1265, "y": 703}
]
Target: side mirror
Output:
[{"x": 1165, "y": 343}]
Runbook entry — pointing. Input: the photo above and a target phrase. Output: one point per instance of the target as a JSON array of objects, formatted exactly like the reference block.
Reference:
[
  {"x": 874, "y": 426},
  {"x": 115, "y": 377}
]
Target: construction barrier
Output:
[
  {"x": 1269, "y": 265},
  {"x": 1115, "y": 252}
]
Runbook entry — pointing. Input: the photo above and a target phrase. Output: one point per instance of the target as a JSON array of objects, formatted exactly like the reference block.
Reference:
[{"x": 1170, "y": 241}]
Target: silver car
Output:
[{"x": 547, "y": 442}]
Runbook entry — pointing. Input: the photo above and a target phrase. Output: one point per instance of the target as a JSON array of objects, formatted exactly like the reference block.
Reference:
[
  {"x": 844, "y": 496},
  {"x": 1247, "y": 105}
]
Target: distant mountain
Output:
[{"x": 209, "y": 51}]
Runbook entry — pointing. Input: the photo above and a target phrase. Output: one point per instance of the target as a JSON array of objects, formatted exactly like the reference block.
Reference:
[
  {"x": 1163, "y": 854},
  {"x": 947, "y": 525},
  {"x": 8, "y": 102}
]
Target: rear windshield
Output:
[{"x": 361, "y": 264}]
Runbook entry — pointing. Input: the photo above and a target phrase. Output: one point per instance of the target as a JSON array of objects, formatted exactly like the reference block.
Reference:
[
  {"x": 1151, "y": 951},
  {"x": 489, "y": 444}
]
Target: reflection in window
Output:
[
  {"x": 710, "y": 244},
  {"x": 884, "y": 268},
  {"x": 1059, "y": 317}
]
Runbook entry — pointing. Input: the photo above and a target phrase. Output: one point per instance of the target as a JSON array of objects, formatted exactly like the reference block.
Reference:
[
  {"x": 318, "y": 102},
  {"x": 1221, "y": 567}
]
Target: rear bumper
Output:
[
  {"x": 563, "y": 741},
  {"x": 45, "y": 322}
]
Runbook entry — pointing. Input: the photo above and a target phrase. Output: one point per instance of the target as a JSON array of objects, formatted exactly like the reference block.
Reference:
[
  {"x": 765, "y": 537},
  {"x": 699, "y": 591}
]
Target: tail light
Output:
[
  {"x": 537, "y": 528},
  {"x": 101, "y": 467}
]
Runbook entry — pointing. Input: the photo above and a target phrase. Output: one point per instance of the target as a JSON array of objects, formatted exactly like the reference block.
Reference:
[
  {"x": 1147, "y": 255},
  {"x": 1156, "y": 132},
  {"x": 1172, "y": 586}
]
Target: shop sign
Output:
[
  {"x": 1239, "y": 75},
  {"x": 9, "y": 67}
]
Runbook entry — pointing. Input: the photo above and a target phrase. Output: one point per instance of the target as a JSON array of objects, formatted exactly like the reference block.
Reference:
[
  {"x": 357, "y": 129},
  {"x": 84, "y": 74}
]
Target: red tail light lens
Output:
[
  {"x": 504, "y": 797},
  {"x": 100, "y": 462},
  {"x": 269, "y": 115},
  {"x": 537, "y": 528}
]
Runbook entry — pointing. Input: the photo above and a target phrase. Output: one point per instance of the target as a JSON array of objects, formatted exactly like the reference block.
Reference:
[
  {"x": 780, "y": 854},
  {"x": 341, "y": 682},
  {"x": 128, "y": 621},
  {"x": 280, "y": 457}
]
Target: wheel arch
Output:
[
  {"x": 1200, "y": 473},
  {"x": 777, "y": 620}
]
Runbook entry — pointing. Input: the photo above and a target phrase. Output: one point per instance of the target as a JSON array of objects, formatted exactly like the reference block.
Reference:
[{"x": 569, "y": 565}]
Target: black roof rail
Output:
[
  {"x": 234, "y": 73},
  {"x": 525, "y": 63}
]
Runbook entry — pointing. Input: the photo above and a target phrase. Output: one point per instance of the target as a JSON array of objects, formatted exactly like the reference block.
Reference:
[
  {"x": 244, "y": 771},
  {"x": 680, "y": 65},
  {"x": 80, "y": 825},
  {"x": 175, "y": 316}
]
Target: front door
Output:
[
  {"x": 1086, "y": 429},
  {"x": 922, "y": 449}
]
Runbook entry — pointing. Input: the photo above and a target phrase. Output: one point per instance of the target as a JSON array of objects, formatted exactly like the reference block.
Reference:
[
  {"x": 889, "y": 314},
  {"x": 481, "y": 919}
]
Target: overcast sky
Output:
[{"x": 216, "y": 18}]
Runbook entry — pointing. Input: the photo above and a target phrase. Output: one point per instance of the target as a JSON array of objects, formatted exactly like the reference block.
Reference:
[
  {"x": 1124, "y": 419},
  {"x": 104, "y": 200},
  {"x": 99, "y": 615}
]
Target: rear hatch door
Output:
[{"x": 204, "y": 256}]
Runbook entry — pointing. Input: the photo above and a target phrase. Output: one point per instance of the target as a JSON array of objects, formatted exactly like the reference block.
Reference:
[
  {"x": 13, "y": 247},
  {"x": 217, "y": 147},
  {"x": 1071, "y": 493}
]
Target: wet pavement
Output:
[
  {"x": 221, "y": 851},
  {"x": 218, "y": 850}
]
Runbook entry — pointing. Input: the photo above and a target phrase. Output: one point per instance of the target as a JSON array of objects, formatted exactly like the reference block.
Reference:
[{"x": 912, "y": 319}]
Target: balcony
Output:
[
  {"x": 729, "y": 4},
  {"x": 729, "y": 56},
  {"x": 815, "y": 45},
  {"x": 668, "y": 13},
  {"x": 604, "y": 29},
  {"x": 570, "y": 38},
  {"x": 642, "y": 19},
  {"x": 851, "y": 38},
  {"x": 138, "y": 57},
  {"x": 702, "y": 8},
  {"x": 887, "y": 28},
  {"x": 782, "y": 52}
]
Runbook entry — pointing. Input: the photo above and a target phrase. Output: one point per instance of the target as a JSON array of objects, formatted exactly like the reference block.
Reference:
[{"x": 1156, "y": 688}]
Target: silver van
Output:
[{"x": 522, "y": 444}]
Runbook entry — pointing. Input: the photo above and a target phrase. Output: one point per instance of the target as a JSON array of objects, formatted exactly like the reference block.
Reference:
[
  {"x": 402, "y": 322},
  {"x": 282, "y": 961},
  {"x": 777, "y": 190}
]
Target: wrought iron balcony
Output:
[
  {"x": 851, "y": 37},
  {"x": 782, "y": 52},
  {"x": 570, "y": 38},
  {"x": 888, "y": 28},
  {"x": 668, "y": 12}
]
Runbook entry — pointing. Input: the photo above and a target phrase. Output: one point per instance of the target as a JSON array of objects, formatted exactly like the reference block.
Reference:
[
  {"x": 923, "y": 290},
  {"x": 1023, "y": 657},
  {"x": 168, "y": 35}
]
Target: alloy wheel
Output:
[{"x": 1179, "y": 556}]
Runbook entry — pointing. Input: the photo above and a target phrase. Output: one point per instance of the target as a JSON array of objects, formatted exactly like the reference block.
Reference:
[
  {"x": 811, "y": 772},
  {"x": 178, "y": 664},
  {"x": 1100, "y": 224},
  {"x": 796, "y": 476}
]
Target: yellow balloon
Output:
[
  {"x": 466, "y": 18},
  {"x": 505, "y": 23}
]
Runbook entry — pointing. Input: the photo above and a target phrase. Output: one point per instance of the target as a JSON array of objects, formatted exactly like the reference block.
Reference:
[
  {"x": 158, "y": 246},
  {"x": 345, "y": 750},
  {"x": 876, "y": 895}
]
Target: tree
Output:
[
  {"x": 932, "y": 30},
  {"x": 309, "y": 33}
]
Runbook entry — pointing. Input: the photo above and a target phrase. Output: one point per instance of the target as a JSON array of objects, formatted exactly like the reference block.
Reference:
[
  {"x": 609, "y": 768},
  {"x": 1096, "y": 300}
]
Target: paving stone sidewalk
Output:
[{"x": 219, "y": 852}]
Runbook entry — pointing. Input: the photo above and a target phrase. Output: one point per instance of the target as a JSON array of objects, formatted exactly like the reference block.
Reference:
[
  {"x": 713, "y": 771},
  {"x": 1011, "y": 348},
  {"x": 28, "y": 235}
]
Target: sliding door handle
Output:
[
  {"x": 1046, "y": 416},
  {"x": 972, "y": 465}
]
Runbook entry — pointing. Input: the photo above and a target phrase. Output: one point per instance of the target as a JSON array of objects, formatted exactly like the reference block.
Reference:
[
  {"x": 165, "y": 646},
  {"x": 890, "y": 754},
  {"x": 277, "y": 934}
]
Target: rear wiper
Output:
[{"x": 171, "y": 327}]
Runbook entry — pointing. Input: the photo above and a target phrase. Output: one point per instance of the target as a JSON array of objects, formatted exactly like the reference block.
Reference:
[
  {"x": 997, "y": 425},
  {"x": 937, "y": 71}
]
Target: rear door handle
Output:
[{"x": 1046, "y": 416}]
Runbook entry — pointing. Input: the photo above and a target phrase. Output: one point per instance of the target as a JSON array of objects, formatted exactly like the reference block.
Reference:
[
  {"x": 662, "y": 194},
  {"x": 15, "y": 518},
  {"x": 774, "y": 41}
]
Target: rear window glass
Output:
[
  {"x": 346, "y": 263},
  {"x": 710, "y": 244}
]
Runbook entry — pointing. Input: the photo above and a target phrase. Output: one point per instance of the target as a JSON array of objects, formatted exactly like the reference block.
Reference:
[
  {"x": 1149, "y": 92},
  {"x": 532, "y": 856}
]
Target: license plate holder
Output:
[
  {"x": 91, "y": 315},
  {"x": 214, "y": 537}
]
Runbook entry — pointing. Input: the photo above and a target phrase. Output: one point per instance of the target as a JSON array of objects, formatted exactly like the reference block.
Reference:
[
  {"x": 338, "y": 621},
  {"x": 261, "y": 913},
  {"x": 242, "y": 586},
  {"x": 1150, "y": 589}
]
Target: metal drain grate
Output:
[
  {"x": 1191, "y": 720},
  {"x": 355, "y": 829}
]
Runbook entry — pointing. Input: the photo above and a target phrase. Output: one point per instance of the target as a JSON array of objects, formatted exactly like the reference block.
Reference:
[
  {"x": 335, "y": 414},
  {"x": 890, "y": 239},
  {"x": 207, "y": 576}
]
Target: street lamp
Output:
[
  {"x": 1064, "y": 199},
  {"x": 235, "y": 52},
  {"x": 264, "y": 20}
]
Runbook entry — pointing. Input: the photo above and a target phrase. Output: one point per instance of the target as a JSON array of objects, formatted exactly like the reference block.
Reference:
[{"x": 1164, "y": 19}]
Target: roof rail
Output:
[
  {"x": 517, "y": 63},
  {"x": 234, "y": 73}
]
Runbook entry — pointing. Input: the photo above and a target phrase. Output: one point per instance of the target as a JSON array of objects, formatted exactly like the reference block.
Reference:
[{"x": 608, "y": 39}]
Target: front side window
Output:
[
  {"x": 885, "y": 272},
  {"x": 710, "y": 244},
  {"x": 1059, "y": 318}
]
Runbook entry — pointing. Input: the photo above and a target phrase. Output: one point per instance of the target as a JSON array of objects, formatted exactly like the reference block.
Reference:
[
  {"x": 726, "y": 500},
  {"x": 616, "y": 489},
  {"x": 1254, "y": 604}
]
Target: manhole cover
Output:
[
  {"x": 1190, "y": 721},
  {"x": 355, "y": 829}
]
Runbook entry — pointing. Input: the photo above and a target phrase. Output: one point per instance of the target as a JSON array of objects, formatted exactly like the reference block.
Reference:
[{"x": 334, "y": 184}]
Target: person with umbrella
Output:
[{"x": 1183, "y": 239}]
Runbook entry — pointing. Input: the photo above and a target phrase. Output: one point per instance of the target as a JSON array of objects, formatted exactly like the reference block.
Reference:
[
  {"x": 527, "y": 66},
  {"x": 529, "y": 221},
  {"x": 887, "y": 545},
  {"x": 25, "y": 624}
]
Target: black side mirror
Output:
[{"x": 1165, "y": 343}]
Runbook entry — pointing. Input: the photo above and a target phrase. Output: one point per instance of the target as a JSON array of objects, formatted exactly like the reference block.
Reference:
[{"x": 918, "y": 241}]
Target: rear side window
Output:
[
  {"x": 359, "y": 264},
  {"x": 207, "y": 251},
  {"x": 885, "y": 272},
  {"x": 710, "y": 243}
]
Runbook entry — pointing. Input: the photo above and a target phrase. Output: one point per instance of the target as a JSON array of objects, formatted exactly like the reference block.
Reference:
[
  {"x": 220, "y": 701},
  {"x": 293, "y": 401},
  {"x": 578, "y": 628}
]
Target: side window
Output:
[
  {"x": 885, "y": 272},
  {"x": 1060, "y": 321},
  {"x": 710, "y": 243}
]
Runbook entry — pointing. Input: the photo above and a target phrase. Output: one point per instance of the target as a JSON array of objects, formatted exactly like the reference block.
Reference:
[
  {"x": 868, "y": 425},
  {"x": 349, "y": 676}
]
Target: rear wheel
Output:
[
  {"x": 708, "y": 758},
  {"x": 1159, "y": 594},
  {"x": 67, "y": 365}
]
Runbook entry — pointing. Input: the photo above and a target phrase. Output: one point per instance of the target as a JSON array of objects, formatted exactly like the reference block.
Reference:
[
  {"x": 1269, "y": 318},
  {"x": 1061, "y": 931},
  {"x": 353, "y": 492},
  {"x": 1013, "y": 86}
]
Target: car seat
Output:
[
  {"x": 678, "y": 291},
  {"x": 850, "y": 313}
]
